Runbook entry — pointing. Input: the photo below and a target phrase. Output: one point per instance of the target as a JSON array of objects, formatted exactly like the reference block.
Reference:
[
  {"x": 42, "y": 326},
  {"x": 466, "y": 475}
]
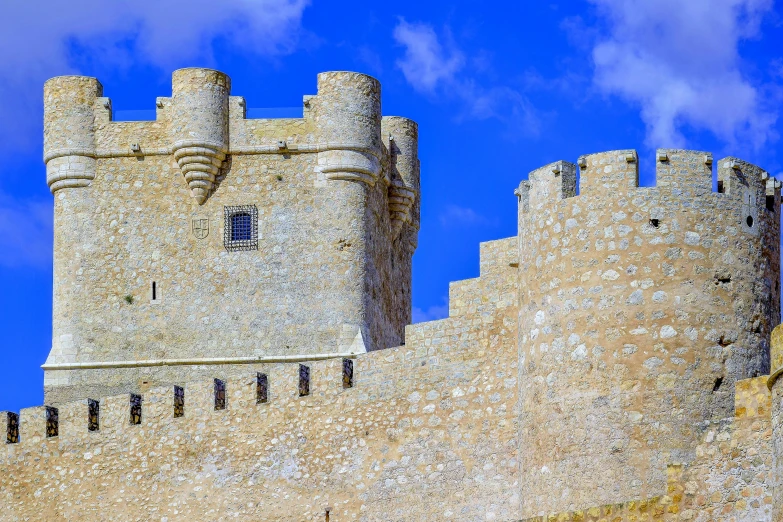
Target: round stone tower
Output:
[{"x": 640, "y": 307}]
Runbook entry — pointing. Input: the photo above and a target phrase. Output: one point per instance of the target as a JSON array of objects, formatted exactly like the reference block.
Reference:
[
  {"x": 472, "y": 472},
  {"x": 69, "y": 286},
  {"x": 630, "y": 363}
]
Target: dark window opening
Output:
[
  {"x": 93, "y": 415},
  {"x": 262, "y": 388},
  {"x": 304, "y": 380},
  {"x": 179, "y": 401},
  {"x": 135, "y": 409},
  {"x": 717, "y": 385},
  {"x": 154, "y": 291},
  {"x": 240, "y": 228},
  {"x": 12, "y": 430},
  {"x": 52, "y": 422},
  {"x": 655, "y": 222},
  {"x": 720, "y": 187},
  {"x": 749, "y": 221},
  {"x": 220, "y": 395},
  {"x": 347, "y": 373},
  {"x": 770, "y": 202}
]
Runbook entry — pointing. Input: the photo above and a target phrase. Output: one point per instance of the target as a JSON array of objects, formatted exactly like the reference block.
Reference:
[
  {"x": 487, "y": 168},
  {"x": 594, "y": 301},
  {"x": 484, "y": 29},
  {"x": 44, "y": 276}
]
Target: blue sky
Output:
[{"x": 498, "y": 89}]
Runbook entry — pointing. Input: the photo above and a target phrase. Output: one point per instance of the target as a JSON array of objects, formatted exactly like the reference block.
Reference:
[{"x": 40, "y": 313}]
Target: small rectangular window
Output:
[
  {"x": 135, "y": 409},
  {"x": 304, "y": 380},
  {"x": 12, "y": 430},
  {"x": 347, "y": 373},
  {"x": 770, "y": 202},
  {"x": 240, "y": 228},
  {"x": 52, "y": 422},
  {"x": 93, "y": 415},
  {"x": 220, "y": 395},
  {"x": 179, "y": 401},
  {"x": 262, "y": 388},
  {"x": 720, "y": 187}
]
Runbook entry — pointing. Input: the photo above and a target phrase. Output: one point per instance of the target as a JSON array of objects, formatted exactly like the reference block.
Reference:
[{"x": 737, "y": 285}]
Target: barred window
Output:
[
  {"x": 240, "y": 228},
  {"x": 135, "y": 408}
]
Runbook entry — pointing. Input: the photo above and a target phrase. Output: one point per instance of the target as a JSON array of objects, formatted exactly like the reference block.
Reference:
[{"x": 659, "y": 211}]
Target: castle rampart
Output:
[{"x": 230, "y": 339}]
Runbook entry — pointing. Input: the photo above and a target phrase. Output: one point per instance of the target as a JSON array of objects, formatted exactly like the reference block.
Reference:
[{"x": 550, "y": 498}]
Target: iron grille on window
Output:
[
  {"x": 347, "y": 373},
  {"x": 220, "y": 395},
  {"x": 179, "y": 401},
  {"x": 93, "y": 415},
  {"x": 135, "y": 409},
  {"x": 240, "y": 228},
  {"x": 262, "y": 388},
  {"x": 12, "y": 434},
  {"x": 304, "y": 380},
  {"x": 52, "y": 422}
]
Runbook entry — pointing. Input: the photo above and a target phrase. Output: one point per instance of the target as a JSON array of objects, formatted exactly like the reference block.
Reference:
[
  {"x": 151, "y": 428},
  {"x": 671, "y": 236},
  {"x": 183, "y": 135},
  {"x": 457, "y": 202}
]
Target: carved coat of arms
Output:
[{"x": 200, "y": 227}]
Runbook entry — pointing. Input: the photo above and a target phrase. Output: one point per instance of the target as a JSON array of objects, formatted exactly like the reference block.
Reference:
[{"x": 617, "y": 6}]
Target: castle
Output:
[{"x": 232, "y": 300}]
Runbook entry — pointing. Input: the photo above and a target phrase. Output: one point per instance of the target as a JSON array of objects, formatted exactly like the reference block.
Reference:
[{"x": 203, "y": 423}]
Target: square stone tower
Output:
[{"x": 206, "y": 239}]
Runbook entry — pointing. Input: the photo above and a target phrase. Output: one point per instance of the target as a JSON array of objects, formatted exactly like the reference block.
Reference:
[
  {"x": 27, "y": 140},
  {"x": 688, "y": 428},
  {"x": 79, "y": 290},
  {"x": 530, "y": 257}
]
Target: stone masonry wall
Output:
[
  {"x": 138, "y": 203},
  {"x": 640, "y": 308},
  {"x": 434, "y": 420}
]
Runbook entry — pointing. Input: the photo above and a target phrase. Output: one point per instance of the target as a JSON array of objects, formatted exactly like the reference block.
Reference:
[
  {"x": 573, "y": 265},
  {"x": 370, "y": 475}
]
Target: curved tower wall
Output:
[
  {"x": 640, "y": 307},
  {"x": 147, "y": 204}
]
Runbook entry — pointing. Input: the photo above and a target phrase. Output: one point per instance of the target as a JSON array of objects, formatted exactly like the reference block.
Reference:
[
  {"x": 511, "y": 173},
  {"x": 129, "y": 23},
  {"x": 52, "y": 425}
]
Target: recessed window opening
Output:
[
  {"x": 655, "y": 222},
  {"x": 262, "y": 388},
  {"x": 12, "y": 429},
  {"x": 52, "y": 422},
  {"x": 717, "y": 385},
  {"x": 93, "y": 415},
  {"x": 154, "y": 291},
  {"x": 179, "y": 401},
  {"x": 220, "y": 395},
  {"x": 347, "y": 373},
  {"x": 240, "y": 228},
  {"x": 720, "y": 187},
  {"x": 304, "y": 380},
  {"x": 749, "y": 221},
  {"x": 135, "y": 409}
]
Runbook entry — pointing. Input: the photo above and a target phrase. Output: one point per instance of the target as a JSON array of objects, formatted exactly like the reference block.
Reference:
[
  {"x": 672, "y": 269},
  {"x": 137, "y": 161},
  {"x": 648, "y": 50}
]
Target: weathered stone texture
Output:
[
  {"x": 609, "y": 363},
  {"x": 337, "y": 226}
]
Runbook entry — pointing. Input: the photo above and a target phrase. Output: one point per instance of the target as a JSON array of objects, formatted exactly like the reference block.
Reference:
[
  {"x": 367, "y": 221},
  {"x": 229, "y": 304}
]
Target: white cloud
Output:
[
  {"x": 679, "y": 62},
  {"x": 40, "y": 39},
  {"x": 454, "y": 215},
  {"x": 433, "y": 67},
  {"x": 432, "y": 313},
  {"x": 25, "y": 233},
  {"x": 426, "y": 64}
]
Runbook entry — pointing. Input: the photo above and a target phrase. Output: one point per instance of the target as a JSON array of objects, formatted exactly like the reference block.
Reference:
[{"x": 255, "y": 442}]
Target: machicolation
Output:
[{"x": 232, "y": 338}]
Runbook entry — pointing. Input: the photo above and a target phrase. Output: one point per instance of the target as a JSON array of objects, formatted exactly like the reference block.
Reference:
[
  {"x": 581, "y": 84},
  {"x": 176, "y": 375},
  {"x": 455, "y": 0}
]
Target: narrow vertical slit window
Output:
[
  {"x": 93, "y": 415},
  {"x": 179, "y": 401},
  {"x": 220, "y": 395},
  {"x": 135, "y": 409},
  {"x": 347, "y": 373},
  {"x": 770, "y": 202},
  {"x": 52, "y": 422},
  {"x": 12, "y": 431},
  {"x": 154, "y": 291},
  {"x": 304, "y": 380},
  {"x": 262, "y": 388},
  {"x": 720, "y": 187}
]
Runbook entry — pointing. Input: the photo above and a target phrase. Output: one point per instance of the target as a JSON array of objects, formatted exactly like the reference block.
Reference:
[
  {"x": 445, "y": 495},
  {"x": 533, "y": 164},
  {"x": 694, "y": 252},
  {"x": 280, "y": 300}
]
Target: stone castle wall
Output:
[
  {"x": 640, "y": 308},
  {"x": 428, "y": 430},
  {"x": 336, "y": 198}
]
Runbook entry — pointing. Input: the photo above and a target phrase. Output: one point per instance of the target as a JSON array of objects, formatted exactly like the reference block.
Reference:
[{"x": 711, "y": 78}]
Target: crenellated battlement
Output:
[{"x": 680, "y": 173}]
